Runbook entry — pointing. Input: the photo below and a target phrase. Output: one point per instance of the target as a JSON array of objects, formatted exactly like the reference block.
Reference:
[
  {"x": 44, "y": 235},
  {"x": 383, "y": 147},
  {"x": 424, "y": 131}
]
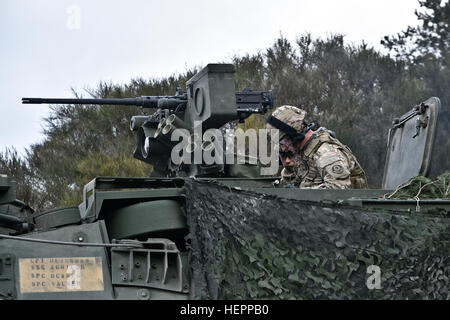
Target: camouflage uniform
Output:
[{"x": 324, "y": 162}]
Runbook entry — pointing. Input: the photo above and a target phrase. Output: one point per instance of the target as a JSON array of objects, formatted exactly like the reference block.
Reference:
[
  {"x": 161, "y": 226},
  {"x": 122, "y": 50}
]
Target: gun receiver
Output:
[{"x": 210, "y": 99}]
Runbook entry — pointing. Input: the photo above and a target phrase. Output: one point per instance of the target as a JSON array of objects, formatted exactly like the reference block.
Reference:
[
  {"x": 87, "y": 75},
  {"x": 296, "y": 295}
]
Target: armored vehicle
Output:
[{"x": 221, "y": 230}]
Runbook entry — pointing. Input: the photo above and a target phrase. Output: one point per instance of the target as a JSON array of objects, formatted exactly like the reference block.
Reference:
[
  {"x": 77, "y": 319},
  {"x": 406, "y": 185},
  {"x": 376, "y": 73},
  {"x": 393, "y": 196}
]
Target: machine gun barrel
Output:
[
  {"x": 247, "y": 102},
  {"x": 146, "y": 102}
]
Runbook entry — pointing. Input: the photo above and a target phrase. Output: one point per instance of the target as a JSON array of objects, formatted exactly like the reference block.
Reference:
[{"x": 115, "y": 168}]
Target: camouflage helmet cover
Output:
[{"x": 290, "y": 115}]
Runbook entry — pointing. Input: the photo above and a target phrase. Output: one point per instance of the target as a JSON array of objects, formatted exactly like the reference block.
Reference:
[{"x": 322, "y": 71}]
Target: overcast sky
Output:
[{"x": 49, "y": 46}]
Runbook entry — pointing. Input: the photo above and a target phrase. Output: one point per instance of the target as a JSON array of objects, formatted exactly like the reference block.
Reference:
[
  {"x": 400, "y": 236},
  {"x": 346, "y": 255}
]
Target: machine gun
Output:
[{"x": 210, "y": 99}]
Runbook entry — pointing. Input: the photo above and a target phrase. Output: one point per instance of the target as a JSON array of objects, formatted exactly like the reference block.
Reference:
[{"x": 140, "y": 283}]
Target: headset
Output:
[{"x": 293, "y": 134}]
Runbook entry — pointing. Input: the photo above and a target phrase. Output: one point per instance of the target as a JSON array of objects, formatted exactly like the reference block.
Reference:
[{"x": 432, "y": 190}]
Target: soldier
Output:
[{"x": 313, "y": 159}]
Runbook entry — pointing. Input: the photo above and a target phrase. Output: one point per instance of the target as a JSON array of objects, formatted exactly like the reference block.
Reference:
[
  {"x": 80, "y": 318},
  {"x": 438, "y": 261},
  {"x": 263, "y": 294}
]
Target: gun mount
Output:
[{"x": 210, "y": 101}]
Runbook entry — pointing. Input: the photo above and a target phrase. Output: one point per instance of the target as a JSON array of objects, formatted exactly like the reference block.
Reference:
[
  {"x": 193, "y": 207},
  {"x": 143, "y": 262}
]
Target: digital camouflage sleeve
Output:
[{"x": 325, "y": 165}]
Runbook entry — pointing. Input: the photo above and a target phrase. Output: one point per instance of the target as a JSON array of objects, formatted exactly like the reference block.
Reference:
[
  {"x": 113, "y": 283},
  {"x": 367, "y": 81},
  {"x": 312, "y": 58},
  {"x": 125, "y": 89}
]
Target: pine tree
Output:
[{"x": 432, "y": 37}]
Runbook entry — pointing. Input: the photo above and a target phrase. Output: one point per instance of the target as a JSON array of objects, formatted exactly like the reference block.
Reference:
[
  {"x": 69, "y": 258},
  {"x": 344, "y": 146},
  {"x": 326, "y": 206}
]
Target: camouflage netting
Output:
[{"x": 246, "y": 245}]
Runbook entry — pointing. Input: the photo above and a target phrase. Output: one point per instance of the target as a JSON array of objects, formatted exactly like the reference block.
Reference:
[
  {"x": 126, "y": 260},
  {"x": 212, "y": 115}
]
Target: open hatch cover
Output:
[{"x": 410, "y": 144}]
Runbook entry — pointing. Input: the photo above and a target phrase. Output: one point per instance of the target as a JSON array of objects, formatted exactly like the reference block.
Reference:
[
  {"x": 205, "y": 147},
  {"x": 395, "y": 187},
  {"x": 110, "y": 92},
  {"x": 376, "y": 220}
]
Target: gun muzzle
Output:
[
  {"x": 137, "y": 121},
  {"x": 176, "y": 122}
]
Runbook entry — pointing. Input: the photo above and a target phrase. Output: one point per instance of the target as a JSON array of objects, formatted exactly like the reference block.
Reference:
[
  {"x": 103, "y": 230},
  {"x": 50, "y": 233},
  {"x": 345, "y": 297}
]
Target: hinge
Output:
[
  {"x": 157, "y": 265},
  {"x": 7, "y": 286}
]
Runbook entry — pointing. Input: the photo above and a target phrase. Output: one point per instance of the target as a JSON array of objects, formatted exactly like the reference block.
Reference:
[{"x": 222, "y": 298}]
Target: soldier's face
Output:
[{"x": 287, "y": 153}]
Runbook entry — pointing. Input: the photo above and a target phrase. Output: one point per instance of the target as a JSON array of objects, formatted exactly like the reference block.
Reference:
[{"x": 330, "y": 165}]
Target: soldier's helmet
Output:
[{"x": 291, "y": 116}]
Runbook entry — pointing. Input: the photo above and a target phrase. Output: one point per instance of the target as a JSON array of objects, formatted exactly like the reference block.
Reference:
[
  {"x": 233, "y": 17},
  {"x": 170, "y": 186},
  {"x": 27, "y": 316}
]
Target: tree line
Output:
[{"x": 353, "y": 90}]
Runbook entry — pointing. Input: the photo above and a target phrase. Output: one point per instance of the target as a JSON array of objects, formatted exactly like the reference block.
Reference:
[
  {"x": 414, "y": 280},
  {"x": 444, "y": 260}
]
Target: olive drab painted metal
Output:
[
  {"x": 15, "y": 216},
  {"x": 7, "y": 189},
  {"x": 410, "y": 144},
  {"x": 135, "y": 238},
  {"x": 212, "y": 97}
]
